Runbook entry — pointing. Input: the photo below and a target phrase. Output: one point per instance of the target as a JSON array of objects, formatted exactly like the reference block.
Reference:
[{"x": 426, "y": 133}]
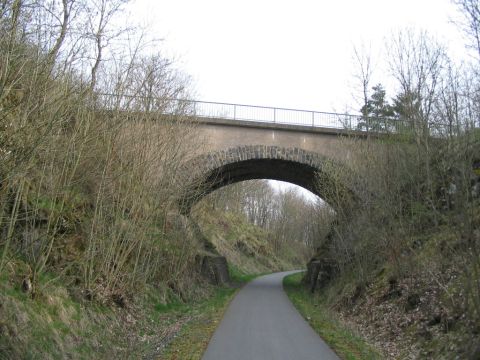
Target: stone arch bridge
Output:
[{"x": 246, "y": 142}]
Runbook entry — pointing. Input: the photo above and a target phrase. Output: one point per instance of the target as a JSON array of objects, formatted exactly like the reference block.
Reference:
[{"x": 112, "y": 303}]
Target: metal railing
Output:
[
  {"x": 316, "y": 119},
  {"x": 274, "y": 115},
  {"x": 253, "y": 113}
]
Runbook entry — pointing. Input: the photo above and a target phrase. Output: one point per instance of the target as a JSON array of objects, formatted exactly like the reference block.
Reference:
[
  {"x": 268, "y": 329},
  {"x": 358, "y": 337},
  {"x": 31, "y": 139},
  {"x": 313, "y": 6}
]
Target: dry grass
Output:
[{"x": 247, "y": 247}]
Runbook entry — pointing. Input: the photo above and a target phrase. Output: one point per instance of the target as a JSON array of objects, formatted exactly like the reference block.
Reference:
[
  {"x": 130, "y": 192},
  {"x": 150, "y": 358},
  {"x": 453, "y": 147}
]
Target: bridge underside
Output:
[
  {"x": 274, "y": 169},
  {"x": 221, "y": 168}
]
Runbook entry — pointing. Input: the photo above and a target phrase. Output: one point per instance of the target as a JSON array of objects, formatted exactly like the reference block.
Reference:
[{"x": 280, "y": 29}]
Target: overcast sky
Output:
[{"x": 294, "y": 54}]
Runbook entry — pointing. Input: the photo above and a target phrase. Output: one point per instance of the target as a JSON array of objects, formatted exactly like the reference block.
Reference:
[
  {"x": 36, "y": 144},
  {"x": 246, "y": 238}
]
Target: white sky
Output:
[{"x": 294, "y": 54}]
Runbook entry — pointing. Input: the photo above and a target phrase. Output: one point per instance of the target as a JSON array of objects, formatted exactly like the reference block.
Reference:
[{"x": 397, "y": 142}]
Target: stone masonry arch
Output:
[{"x": 225, "y": 167}]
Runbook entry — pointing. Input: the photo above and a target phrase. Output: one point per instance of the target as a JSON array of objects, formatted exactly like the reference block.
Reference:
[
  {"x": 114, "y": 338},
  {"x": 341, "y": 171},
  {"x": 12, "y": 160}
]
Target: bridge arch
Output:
[{"x": 289, "y": 164}]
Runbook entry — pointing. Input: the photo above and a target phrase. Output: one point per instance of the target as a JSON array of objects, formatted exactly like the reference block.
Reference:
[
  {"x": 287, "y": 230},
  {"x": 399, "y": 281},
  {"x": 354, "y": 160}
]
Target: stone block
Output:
[{"x": 215, "y": 269}]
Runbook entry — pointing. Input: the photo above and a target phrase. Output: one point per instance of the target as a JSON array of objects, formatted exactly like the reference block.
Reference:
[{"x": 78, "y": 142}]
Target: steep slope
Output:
[
  {"x": 247, "y": 247},
  {"x": 421, "y": 305}
]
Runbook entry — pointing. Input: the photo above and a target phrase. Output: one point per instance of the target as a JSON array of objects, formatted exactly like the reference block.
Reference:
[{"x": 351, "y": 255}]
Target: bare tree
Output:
[
  {"x": 363, "y": 76},
  {"x": 470, "y": 23},
  {"x": 100, "y": 32},
  {"x": 417, "y": 62}
]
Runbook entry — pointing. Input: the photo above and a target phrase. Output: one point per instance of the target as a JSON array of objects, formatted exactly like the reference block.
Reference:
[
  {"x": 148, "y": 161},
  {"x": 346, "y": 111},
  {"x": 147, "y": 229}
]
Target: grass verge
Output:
[
  {"x": 193, "y": 338},
  {"x": 59, "y": 323},
  {"x": 203, "y": 318},
  {"x": 344, "y": 341}
]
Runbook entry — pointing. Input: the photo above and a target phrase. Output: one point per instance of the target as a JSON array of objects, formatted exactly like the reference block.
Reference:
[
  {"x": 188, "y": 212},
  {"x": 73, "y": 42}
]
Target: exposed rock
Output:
[
  {"x": 311, "y": 277},
  {"x": 215, "y": 268},
  {"x": 319, "y": 273}
]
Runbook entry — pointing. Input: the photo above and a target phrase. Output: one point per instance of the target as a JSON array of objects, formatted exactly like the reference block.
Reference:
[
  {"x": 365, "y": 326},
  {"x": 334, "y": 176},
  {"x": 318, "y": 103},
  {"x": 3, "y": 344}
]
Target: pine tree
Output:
[{"x": 377, "y": 113}]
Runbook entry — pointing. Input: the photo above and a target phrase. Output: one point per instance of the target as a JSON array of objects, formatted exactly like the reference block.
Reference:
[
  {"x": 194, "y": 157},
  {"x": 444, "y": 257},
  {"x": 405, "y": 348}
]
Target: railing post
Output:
[
  {"x": 235, "y": 112},
  {"x": 313, "y": 118},
  {"x": 274, "y": 115}
]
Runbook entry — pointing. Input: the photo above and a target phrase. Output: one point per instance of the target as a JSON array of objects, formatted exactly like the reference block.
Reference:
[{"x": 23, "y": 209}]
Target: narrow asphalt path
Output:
[{"x": 262, "y": 324}]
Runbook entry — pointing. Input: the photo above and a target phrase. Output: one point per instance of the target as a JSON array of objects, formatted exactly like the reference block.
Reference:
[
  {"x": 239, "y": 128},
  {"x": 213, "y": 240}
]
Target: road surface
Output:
[{"x": 262, "y": 324}]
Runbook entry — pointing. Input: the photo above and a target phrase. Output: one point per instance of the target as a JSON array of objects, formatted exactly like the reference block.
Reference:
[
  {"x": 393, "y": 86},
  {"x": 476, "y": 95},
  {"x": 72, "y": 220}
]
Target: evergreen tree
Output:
[
  {"x": 406, "y": 106},
  {"x": 377, "y": 112}
]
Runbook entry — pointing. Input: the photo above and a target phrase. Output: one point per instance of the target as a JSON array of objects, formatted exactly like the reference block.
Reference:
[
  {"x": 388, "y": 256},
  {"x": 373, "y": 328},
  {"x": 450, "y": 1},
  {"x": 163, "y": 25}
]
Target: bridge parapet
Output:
[{"x": 258, "y": 114}]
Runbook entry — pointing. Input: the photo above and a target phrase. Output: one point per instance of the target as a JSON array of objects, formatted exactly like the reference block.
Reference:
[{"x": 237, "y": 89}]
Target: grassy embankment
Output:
[
  {"x": 342, "y": 339},
  {"x": 57, "y": 325},
  {"x": 419, "y": 312},
  {"x": 93, "y": 248},
  {"x": 401, "y": 262},
  {"x": 157, "y": 322},
  {"x": 414, "y": 314}
]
